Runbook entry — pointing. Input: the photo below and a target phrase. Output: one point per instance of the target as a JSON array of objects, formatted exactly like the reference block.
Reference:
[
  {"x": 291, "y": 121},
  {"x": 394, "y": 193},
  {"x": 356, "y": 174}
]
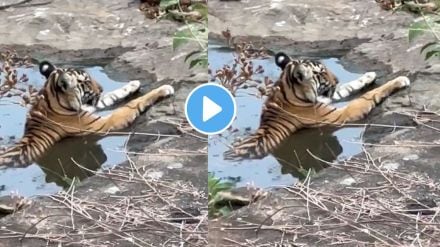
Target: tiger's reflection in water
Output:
[
  {"x": 63, "y": 161},
  {"x": 296, "y": 154}
]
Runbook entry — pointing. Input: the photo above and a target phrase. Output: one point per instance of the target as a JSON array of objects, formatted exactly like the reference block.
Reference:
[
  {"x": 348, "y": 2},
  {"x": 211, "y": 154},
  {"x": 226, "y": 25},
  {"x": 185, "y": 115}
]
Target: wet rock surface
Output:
[
  {"x": 366, "y": 38},
  {"x": 117, "y": 36}
]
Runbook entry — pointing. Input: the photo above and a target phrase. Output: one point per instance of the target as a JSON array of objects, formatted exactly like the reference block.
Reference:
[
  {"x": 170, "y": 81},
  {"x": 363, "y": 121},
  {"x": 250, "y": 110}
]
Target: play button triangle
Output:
[{"x": 210, "y": 109}]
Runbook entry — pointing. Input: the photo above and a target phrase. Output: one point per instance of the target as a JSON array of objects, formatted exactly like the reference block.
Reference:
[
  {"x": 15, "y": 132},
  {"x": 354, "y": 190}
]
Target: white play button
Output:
[{"x": 210, "y": 109}]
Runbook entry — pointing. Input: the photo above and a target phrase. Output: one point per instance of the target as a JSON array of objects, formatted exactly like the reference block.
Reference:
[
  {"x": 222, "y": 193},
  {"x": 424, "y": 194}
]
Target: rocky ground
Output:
[
  {"x": 159, "y": 197},
  {"x": 381, "y": 197}
]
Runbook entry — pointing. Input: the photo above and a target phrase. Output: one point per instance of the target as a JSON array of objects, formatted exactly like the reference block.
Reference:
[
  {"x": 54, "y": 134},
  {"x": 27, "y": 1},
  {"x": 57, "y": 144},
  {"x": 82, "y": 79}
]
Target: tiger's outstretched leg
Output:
[
  {"x": 111, "y": 98},
  {"x": 358, "y": 108},
  {"x": 124, "y": 115},
  {"x": 352, "y": 87},
  {"x": 348, "y": 89}
]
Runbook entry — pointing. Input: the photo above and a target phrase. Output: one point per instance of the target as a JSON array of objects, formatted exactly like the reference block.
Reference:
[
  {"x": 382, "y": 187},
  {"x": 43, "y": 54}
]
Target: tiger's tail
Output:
[
  {"x": 249, "y": 148},
  {"x": 274, "y": 129},
  {"x": 13, "y": 157},
  {"x": 257, "y": 145},
  {"x": 31, "y": 147}
]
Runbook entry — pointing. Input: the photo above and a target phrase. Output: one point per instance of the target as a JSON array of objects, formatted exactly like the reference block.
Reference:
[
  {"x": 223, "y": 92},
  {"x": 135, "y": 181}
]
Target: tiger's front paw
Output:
[
  {"x": 166, "y": 90},
  {"x": 403, "y": 81},
  {"x": 133, "y": 86},
  {"x": 370, "y": 77}
]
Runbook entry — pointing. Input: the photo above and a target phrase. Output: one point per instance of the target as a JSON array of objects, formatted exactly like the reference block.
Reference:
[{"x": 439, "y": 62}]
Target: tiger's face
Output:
[
  {"x": 75, "y": 86},
  {"x": 304, "y": 80}
]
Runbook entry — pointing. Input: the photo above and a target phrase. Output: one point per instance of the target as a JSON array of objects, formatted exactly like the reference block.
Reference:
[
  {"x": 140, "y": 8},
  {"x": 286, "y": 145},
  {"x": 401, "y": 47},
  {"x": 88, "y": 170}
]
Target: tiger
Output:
[
  {"x": 102, "y": 101},
  {"x": 326, "y": 85},
  {"x": 294, "y": 105},
  {"x": 65, "y": 108}
]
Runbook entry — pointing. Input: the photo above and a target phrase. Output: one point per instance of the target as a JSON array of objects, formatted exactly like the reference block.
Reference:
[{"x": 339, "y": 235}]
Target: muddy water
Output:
[
  {"x": 55, "y": 170},
  {"x": 294, "y": 158}
]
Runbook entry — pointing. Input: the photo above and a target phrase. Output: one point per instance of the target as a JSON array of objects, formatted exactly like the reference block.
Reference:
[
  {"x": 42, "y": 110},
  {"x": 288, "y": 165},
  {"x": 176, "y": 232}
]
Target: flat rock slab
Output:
[
  {"x": 95, "y": 32},
  {"x": 319, "y": 28},
  {"x": 365, "y": 38},
  {"x": 74, "y": 24}
]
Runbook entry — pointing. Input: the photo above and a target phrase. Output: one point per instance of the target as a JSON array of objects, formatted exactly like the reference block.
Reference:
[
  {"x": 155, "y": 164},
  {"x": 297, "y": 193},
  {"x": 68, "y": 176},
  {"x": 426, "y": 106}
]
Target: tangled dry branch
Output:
[
  {"x": 242, "y": 73},
  {"x": 13, "y": 82}
]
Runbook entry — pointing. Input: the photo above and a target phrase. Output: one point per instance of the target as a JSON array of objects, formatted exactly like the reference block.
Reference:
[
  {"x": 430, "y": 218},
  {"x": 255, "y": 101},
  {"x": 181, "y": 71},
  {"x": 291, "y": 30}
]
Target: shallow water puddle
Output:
[
  {"x": 283, "y": 167},
  {"x": 54, "y": 171}
]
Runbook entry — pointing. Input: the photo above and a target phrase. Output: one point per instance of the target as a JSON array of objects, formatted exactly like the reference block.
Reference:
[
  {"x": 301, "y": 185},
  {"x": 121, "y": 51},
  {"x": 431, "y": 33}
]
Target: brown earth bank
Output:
[
  {"x": 386, "y": 196},
  {"x": 158, "y": 197}
]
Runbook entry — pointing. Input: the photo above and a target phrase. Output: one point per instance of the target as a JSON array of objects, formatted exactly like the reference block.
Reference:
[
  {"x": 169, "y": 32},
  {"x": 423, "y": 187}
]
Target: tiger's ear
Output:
[
  {"x": 281, "y": 59},
  {"x": 46, "y": 68}
]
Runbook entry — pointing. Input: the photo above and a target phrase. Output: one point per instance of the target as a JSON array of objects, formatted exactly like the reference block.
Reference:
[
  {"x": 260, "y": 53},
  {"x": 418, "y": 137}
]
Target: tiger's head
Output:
[
  {"x": 304, "y": 80},
  {"x": 71, "y": 87}
]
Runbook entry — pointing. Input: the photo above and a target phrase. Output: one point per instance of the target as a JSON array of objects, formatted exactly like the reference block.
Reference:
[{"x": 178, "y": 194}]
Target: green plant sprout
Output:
[{"x": 216, "y": 185}]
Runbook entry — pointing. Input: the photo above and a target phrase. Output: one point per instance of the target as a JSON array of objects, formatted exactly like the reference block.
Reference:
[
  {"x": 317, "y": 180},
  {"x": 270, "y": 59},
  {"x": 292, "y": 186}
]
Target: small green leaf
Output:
[
  {"x": 181, "y": 37},
  {"x": 198, "y": 58},
  {"x": 429, "y": 46},
  {"x": 202, "y": 9},
  {"x": 198, "y": 62},
  {"x": 191, "y": 54},
  {"x": 430, "y": 54},
  {"x": 191, "y": 32},
  {"x": 165, "y": 4},
  {"x": 416, "y": 29},
  {"x": 428, "y": 24},
  {"x": 215, "y": 201},
  {"x": 431, "y": 49},
  {"x": 224, "y": 186}
]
